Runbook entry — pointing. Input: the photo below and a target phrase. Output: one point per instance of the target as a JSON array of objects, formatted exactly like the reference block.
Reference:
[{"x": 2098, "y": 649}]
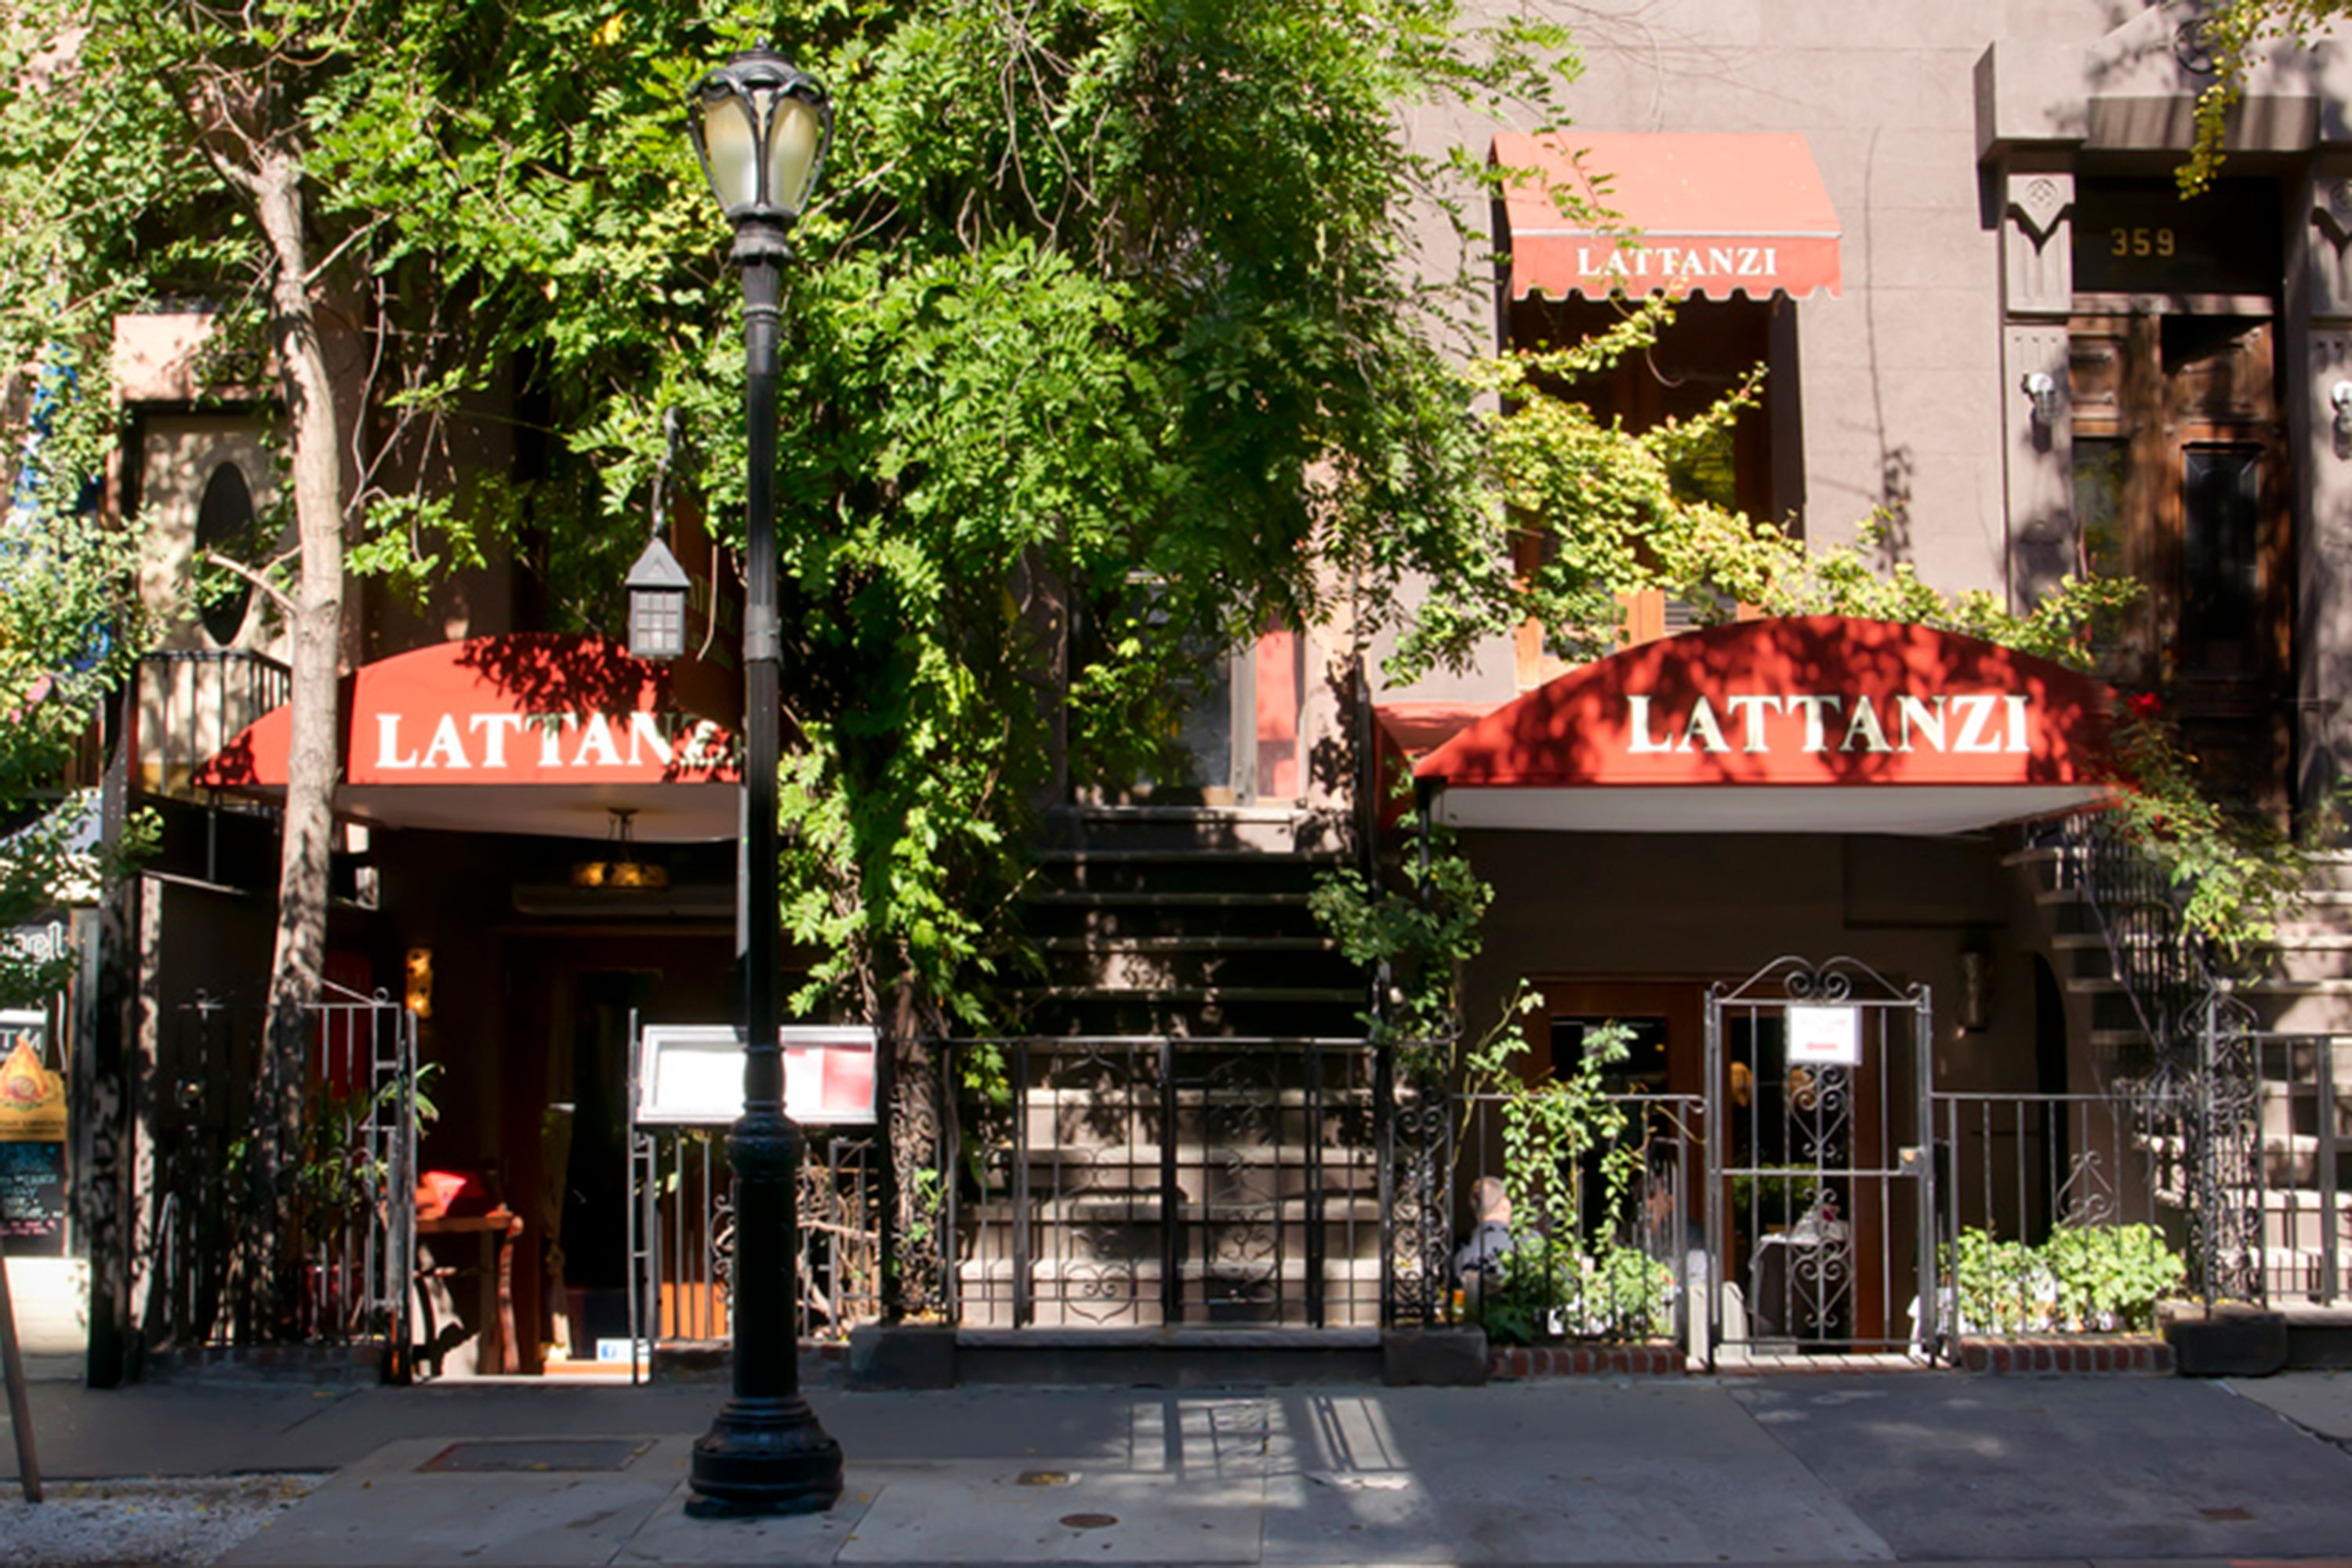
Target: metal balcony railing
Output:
[{"x": 190, "y": 704}]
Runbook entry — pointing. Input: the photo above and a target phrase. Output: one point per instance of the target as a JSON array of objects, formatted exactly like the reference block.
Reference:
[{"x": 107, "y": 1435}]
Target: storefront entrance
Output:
[
  {"x": 1820, "y": 1222},
  {"x": 564, "y": 1141}
]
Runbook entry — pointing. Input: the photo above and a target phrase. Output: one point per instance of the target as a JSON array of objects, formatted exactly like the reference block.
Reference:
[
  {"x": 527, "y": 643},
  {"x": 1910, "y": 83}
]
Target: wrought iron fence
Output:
[
  {"x": 2192, "y": 1084},
  {"x": 682, "y": 1234},
  {"x": 1145, "y": 1181},
  {"x": 1417, "y": 1188},
  {"x": 2304, "y": 1116},
  {"x": 2019, "y": 1166},
  {"x": 1610, "y": 1246},
  {"x": 2059, "y": 1213},
  {"x": 258, "y": 1235}
]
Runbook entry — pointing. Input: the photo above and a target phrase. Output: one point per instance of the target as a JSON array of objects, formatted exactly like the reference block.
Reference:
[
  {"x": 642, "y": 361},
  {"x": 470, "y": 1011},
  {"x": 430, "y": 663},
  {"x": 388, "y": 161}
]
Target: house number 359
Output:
[{"x": 2139, "y": 242}]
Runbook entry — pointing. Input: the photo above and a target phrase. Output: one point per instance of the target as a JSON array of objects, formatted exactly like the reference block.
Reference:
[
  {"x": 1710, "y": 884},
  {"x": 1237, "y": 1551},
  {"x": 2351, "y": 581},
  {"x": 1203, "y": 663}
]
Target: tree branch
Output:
[{"x": 278, "y": 597}]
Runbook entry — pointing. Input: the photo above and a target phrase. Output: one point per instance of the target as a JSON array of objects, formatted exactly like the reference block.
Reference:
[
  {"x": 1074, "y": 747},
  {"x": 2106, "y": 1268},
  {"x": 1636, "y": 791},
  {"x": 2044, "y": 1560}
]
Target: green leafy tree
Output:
[
  {"x": 68, "y": 621},
  {"x": 1101, "y": 326},
  {"x": 2235, "y": 36}
]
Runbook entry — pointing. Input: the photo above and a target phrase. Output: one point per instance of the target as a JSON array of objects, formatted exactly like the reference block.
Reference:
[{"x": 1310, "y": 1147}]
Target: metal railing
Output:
[
  {"x": 1149, "y": 1181},
  {"x": 2018, "y": 1166},
  {"x": 2193, "y": 1090},
  {"x": 681, "y": 1235},
  {"x": 192, "y": 703},
  {"x": 2306, "y": 1121},
  {"x": 313, "y": 1243},
  {"x": 1623, "y": 1259},
  {"x": 2059, "y": 1213},
  {"x": 2163, "y": 970}
]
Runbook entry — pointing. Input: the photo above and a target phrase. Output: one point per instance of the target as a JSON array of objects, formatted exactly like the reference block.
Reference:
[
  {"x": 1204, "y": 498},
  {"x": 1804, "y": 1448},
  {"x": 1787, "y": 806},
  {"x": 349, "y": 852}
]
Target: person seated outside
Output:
[{"x": 1478, "y": 1261}]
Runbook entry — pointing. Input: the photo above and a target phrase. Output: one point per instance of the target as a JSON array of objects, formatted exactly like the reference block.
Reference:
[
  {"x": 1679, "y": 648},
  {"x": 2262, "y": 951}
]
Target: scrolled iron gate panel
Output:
[
  {"x": 681, "y": 1228},
  {"x": 1820, "y": 1219},
  {"x": 1133, "y": 1182}
]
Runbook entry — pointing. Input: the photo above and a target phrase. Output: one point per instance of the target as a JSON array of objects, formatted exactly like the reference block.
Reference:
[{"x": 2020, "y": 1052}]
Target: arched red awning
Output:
[
  {"x": 526, "y": 733},
  {"x": 1820, "y": 723}
]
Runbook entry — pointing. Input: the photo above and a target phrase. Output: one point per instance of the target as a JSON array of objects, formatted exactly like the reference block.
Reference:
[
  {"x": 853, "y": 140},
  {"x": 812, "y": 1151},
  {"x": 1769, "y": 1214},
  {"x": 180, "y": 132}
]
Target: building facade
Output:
[
  {"x": 1949, "y": 237},
  {"x": 1989, "y": 323}
]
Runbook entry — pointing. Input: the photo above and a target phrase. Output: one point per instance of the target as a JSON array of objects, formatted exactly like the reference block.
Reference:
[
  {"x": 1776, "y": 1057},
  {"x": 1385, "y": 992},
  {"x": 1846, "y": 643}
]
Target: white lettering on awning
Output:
[{"x": 1961, "y": 723}]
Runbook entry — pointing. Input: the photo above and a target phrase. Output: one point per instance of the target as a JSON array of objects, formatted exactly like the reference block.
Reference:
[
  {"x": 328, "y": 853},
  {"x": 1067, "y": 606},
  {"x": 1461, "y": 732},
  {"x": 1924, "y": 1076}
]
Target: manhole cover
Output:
[
  {"x": 2227, "y": 1515},
  {"x": 541, "y": 1454},
  {"x": 1089, "y": 1520}
]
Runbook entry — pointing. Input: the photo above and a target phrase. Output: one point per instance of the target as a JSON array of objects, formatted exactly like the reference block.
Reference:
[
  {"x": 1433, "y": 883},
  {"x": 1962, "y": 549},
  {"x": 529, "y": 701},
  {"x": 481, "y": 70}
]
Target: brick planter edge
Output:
[
  {"x": 2070, "y": 1355},
  {"x": 1517, "y": 1362}
]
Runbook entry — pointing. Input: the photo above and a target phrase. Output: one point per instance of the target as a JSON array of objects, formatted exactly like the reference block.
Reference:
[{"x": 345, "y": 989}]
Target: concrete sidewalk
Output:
[{"x": 1815, "y": 1468}]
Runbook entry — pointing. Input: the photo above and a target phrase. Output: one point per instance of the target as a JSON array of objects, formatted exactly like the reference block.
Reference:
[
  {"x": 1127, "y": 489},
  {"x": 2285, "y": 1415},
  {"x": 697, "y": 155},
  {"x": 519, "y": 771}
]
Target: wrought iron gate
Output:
[
  {"x": 681, "y": 1228},
  {"x": 317, "y": 1244},
  {"x": 1158, "y": 1181},
  {"x": 1821, "y": 1218}
]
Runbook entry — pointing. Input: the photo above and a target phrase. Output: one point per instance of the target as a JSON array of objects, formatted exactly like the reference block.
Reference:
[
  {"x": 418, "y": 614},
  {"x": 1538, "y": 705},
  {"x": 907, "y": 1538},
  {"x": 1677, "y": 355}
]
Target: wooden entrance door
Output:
[{"x": 2180, "y": 482}]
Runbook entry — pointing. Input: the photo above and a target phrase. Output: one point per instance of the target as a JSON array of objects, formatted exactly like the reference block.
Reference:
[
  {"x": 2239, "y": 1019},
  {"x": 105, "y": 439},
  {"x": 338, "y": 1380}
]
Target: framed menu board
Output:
[{"x": 32, "y": 1141}]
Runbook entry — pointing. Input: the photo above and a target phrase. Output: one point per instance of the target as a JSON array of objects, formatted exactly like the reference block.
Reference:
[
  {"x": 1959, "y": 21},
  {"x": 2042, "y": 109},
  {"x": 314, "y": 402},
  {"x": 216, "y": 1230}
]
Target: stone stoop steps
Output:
[
  {"x": 1167, "y": 931},
  {"x": 2303, "y": 985}
]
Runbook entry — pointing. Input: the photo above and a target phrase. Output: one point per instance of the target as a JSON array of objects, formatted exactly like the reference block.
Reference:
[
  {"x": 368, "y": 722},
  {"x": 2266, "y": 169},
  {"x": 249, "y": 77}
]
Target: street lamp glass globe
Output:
[
  {"x": 731, "y": 147},
  {"x": 796, "y": 142},
  {"x": 762, "y": 127}
]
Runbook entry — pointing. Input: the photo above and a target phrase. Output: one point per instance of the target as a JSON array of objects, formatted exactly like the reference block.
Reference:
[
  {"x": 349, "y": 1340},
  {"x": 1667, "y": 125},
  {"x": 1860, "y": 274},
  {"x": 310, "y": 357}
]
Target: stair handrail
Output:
[
  {"x": 2201, "y": 1088},
  {"x": 2162, "y": 964}
]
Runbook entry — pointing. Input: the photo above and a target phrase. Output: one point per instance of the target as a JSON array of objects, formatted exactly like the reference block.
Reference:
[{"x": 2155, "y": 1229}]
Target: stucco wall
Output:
[{"x": 1701, "y": 908}]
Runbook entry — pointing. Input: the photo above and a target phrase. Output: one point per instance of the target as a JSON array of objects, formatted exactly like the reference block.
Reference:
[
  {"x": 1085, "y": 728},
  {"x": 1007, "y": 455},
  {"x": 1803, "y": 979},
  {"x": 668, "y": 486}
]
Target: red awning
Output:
[
  {"x": 529, "y": 733},
  {"x": 1815, "y": 724},
  {"x": 1713, "y": 215}
]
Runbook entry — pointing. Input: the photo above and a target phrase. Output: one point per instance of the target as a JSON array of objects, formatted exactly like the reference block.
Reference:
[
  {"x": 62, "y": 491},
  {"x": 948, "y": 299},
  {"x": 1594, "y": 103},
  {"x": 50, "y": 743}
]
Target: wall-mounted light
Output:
[
  {"x": 2339, "y": 397},
  {"x": 2040, "y": 389},
  {"x": 419, "y": 990}
]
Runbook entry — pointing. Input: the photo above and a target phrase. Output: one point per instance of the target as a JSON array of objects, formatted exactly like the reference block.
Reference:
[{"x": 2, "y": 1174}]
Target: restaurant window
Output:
[{"x": 1702, "y": 355}]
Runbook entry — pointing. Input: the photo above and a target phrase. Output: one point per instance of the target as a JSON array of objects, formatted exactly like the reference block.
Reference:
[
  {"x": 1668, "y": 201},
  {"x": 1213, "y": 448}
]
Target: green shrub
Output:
[
  {"x": 2083, "y": 1279},
  {"x": 1553, "y": 1291}
]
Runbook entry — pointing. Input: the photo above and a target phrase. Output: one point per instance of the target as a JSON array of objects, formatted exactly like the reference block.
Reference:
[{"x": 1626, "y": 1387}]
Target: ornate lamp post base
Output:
[
  {"x": 762, "y": 1457},
  {"x": 766, "y": 1452}
]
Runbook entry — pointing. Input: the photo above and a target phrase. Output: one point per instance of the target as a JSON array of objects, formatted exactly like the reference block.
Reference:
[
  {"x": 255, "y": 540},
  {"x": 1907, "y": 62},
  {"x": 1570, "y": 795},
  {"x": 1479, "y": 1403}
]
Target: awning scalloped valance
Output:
[{"x": 1712, "y": 214}]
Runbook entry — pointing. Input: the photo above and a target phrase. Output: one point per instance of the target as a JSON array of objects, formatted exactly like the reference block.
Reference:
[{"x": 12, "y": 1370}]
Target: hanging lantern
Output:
[{"x": 657, "y": 588}]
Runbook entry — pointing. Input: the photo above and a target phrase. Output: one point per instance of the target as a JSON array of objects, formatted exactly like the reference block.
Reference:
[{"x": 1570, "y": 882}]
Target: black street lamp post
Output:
[{"x": 761, "y": 128}]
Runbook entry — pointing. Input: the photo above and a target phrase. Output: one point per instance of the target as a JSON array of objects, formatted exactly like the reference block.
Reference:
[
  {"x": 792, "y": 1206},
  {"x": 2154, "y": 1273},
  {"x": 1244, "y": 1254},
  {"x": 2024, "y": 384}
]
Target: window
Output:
[{"x": 1752, "y": 465}]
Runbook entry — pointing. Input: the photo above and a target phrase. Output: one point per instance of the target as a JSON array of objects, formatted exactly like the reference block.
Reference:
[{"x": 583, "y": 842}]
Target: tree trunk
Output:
[{"x": 314, "y": 457}]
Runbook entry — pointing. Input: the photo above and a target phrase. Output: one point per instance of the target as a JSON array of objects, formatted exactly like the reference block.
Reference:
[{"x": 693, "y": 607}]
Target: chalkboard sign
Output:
[
  {"x": 2137, "y": 237},
  {"x": 32, "y": 1200}
]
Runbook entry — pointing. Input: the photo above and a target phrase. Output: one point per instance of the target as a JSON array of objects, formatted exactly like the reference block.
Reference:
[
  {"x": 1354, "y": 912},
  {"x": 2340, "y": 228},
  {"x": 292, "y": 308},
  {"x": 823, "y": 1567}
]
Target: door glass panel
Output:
[
  {"x": 2100, "y": 533},
  {"x": 2221, "y": 560},
  {"x": 1204, "y": 732}
]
